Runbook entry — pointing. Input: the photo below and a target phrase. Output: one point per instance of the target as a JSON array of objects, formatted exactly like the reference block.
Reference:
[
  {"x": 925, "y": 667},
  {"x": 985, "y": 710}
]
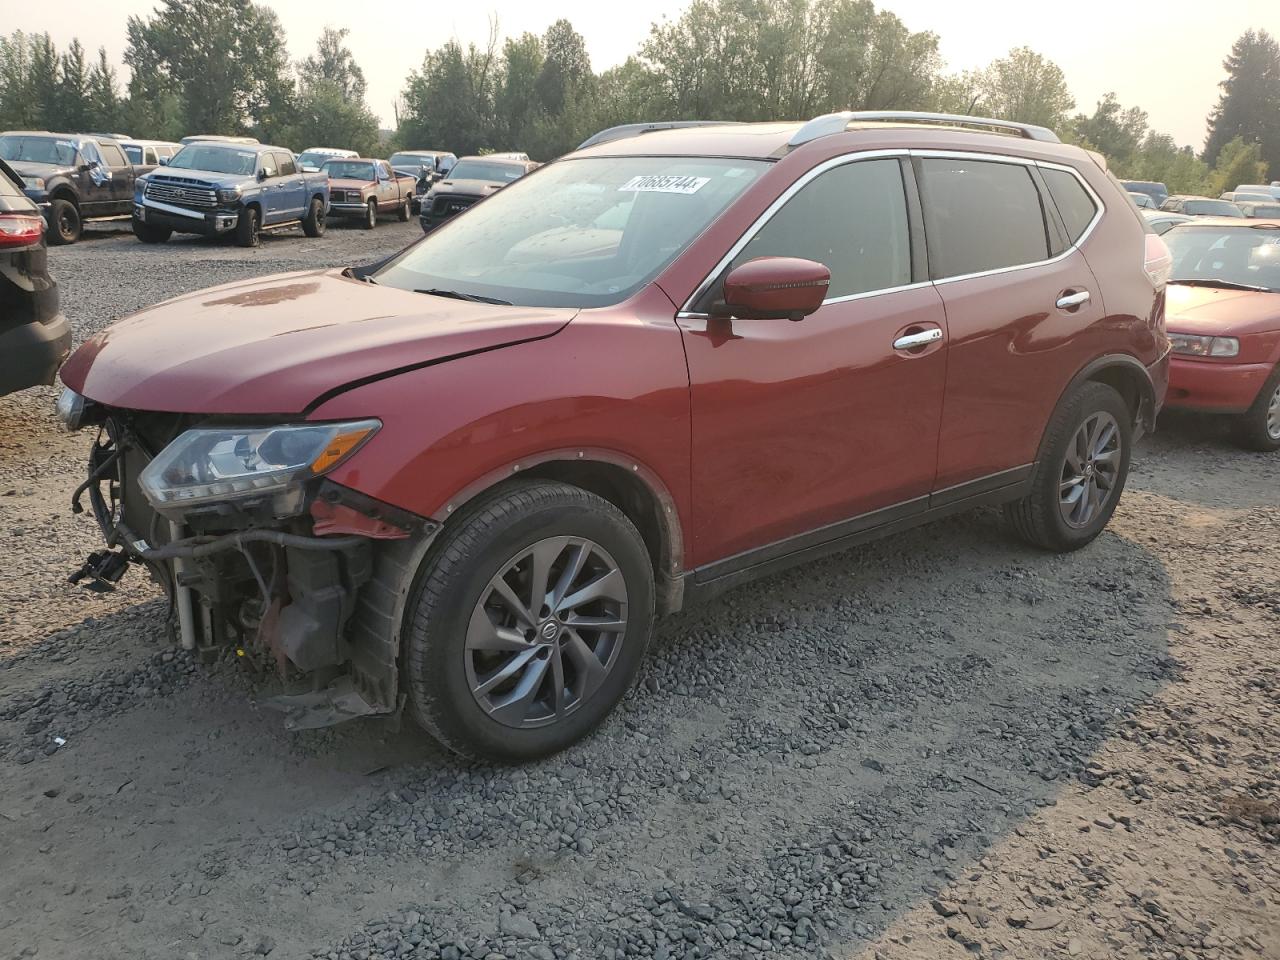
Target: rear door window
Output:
[
  {"x": 980, "y": 215},
  {"x": 853, "y": 220},
  {"x": 1074, "y": 204},
  {"x": 285, "y": 164}
]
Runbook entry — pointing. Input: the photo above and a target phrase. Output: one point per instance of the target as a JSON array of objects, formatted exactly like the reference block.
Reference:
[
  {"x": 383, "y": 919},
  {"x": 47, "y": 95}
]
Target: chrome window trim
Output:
[
  {"x": 1100, "y": 207},
  {"x": 758, "y": 224},
  {"x": 685, "y": 313}
]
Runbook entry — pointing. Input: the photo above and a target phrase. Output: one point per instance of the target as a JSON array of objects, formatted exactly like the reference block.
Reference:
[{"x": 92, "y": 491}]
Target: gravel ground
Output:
[{"x": 938, "y": 746}]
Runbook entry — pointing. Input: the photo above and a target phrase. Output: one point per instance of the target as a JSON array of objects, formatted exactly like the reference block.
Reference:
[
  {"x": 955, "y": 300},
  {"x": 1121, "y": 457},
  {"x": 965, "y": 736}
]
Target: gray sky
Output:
[{"x": 1162, "y": 55}]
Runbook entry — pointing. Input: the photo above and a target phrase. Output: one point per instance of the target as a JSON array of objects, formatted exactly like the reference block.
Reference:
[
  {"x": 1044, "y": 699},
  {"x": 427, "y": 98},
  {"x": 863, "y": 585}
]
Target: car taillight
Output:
[
  {"x": 1158, "y": 262},
  {"x": 20, "y": 229}
]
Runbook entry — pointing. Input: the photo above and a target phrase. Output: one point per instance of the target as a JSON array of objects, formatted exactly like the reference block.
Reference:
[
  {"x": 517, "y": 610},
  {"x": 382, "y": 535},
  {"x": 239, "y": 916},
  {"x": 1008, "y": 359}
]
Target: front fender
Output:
[{"x": 612, "y": 384}]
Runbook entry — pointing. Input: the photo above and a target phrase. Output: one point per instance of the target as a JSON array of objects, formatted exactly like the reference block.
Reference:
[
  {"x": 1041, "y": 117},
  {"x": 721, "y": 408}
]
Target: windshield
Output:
[
  {"x": 1237, "y": 256},
  {"x": 38, "y": 150},
  {"x": 1211, "y": 208},
  {"x": 411, "y": 161},
  {"x": 216, "y": 159},
  {"x": 349, "y": 169},
  {"x": 1261, "y": 210},
  {"x": 583, "y": 233},
  {"x": 309, "y": 159},
  {"x": 482, "y": 170}
]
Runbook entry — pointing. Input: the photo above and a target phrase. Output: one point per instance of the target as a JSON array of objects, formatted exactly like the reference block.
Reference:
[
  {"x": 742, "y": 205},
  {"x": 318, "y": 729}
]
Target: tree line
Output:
[{"x": 221, "y": 66}]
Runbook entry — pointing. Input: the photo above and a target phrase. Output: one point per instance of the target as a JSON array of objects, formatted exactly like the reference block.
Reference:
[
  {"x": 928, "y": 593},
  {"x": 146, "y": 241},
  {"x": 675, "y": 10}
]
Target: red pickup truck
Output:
[{"x": 363, "y": 189}]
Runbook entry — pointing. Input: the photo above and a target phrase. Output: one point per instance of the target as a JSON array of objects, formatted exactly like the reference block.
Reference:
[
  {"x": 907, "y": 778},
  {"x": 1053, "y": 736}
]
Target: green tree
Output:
[
  {"x": 74, "y": 111},
  {"x": 1115, "y": 132},
  {"x": 104, "y": 93},
  {"x": 224, "y": 60},
  {"x": 333, "y": 63},
  {"x": 1249, "y": 105},
  {"x": 1026, "y": 87},
  {"x": 19, "y": 108},
  {"x": 517, "y": 106},
  {"x": 566, "y": 69},
  {"x": 44, "y": 88},
  {"x": 1238, "y": 162},
  {"x": 1160, "y": 159},
  {"x": 449, "y": 100}
]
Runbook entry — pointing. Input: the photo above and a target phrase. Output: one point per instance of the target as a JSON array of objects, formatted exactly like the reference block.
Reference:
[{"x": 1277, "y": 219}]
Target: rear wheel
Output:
[
  {"x": 371, "y": 215},
  {"x": 1259, "y": 428},
  {"x": 405, "y": 210},
  {"x": 248, "y": 233},
  {"x": 1077, "y": 482},
  {"x": 148, "y": 233},
  {"x": 530, "y": 622},
  {"x": 313, "y": 222},
  {"x": 64, "y": 219}
]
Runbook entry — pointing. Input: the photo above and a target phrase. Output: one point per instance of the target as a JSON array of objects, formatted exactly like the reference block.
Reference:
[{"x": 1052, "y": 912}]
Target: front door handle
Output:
[
  {"x": 923, "y": 338},
  {"x": 1071, "y": 301}
]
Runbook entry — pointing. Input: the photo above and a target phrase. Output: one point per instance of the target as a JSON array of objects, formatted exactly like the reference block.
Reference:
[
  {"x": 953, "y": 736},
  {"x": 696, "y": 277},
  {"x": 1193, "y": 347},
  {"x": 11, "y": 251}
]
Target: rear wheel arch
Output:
[{"x": 1126, "y": 375}]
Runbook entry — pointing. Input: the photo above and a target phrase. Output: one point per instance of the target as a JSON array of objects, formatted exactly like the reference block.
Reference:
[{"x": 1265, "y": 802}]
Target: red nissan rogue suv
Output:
[{"x": 467, "y": 479}]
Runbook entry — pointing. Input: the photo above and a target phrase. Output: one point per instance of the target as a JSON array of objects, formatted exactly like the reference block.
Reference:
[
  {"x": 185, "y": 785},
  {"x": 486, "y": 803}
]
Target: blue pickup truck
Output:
[{"x": 222, "y": 188}]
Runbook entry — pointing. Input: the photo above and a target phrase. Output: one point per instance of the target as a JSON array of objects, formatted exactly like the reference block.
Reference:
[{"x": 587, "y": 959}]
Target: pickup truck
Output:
[
  {"x": 362, "y": 189},
  {"x": 221, "y": 188},
  {"x": 71, "y": 177}
]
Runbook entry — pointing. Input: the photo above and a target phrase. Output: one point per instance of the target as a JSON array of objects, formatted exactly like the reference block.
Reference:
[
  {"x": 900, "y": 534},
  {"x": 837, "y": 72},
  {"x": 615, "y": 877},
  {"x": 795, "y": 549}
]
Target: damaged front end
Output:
[{"x": 257, "y": 551}]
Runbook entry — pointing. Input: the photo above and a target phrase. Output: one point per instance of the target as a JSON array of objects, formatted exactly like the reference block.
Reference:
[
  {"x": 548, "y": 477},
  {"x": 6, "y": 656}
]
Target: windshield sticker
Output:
[{"x": 667, "y": 184}]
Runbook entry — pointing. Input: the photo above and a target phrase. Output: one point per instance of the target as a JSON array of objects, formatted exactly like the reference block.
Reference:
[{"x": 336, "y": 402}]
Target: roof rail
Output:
[
  {"x": 634, "y": 129},
  {"x": 830, "y": 123}
]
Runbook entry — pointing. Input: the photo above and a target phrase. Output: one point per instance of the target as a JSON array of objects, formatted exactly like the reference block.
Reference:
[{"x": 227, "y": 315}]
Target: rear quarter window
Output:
[
  {"x": 1074, "y": 204},
  {"x": 980, "y": 215}
]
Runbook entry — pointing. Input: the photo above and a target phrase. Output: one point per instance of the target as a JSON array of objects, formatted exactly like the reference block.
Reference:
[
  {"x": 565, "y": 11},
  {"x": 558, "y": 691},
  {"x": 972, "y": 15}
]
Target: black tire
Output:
[
  {"x": 1257, "y": 428},
  {"x": 148, "y": 233},
  {"x": 313, "y": 223},
  {"x": 248, "y": 233},
  {"x": 64, "y": 222},
  {"x": 405, "y": 210},
  {"x": 371, "y": 215},
  {"x": 1039, "y": 517},
  {"x": 456, "y": 576}
]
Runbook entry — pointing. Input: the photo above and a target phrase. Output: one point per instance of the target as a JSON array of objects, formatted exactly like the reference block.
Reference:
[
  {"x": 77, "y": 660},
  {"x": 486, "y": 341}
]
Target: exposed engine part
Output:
[
  {"x": 104, "y": 568},
  {"x": 182, "y": 595}
]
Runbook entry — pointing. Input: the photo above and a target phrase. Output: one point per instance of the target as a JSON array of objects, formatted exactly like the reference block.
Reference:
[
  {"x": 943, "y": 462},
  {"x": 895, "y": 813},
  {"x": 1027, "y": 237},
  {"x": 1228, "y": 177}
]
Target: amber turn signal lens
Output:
[{"x": 337, "y": 448}]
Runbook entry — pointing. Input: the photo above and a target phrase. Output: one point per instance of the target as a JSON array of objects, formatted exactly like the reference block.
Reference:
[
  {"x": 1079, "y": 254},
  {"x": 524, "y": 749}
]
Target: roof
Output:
[{"x": 770, "y": 141}]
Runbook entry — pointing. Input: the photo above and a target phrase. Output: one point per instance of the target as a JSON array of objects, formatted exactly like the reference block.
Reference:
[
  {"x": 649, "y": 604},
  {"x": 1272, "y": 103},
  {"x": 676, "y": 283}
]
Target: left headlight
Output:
[
  {"x": 1190, "y": 345},
  {"x": 35, "y": 183},
  {"x": 228, "y": 194},
  {"x": 70, "y": 410},
  {"x": 235, "y": 463}
]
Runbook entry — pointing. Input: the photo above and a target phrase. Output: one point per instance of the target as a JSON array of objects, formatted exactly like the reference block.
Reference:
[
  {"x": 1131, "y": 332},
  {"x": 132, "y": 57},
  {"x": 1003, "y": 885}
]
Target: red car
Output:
[
  {"x": 684, "y": 356},
  {"x": 1224, "y": 324}
]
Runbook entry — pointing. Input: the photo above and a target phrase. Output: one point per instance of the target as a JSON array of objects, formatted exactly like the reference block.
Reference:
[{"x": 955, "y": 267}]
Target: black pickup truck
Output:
[{"x": 72, "y": 177}]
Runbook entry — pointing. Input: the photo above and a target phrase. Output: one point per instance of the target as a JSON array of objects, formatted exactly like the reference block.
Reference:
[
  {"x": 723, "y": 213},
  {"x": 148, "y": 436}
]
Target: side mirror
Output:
[
  {"x": 164, "y": 161},
  {"x": 774, "y": 288}
]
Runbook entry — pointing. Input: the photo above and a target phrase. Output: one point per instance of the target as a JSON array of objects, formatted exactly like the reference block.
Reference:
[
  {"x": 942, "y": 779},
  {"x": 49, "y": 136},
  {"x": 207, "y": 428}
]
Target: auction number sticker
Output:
[{"x": 664, "y": 184}]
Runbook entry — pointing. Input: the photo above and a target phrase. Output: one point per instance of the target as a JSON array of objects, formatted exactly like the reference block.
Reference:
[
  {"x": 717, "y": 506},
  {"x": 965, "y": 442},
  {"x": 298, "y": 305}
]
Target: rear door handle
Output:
[
  {"x": 1069, "y": 301},
  {"x": 921, "y": 339}
]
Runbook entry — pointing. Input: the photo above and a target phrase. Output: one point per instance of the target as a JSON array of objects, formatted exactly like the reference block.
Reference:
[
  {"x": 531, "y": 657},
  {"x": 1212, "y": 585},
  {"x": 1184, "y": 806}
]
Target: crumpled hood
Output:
[
  {"x": 275, "y": 345},
  {"x": 1215, "y": 311}
]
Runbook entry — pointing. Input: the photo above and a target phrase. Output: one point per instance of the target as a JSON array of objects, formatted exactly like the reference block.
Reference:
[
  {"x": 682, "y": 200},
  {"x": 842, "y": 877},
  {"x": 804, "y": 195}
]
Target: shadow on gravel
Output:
[{"x": 802, "y": 761}]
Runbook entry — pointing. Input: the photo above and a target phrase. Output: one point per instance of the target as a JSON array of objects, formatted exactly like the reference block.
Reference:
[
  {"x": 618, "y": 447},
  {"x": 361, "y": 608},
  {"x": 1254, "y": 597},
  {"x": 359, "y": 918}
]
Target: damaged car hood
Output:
[{"x": 275, "y": 345}]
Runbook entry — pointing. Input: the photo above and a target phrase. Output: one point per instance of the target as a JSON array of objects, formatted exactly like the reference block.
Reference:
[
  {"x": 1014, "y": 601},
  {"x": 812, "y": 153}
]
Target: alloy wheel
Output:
[
  {"x": 546, "y": 632},
  {"x": 1090, "y": 470},
  {"x": 1273, "y": 415}
]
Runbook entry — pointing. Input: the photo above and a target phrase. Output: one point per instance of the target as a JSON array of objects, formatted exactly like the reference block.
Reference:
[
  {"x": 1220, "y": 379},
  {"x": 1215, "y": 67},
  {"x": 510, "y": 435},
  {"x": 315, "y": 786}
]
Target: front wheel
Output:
[
  {"x": 1077, "y": 482},
  {"x": 64, "y": 218},
  {"x": 313, "y": 222},
  {"x": 531, "y": 620},
  {"x": 148, "y": 233},
  {"x": 1259, "y": 428},
  {"x": 371, "y": 215},
  {"x": 248, "y": 233}
]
